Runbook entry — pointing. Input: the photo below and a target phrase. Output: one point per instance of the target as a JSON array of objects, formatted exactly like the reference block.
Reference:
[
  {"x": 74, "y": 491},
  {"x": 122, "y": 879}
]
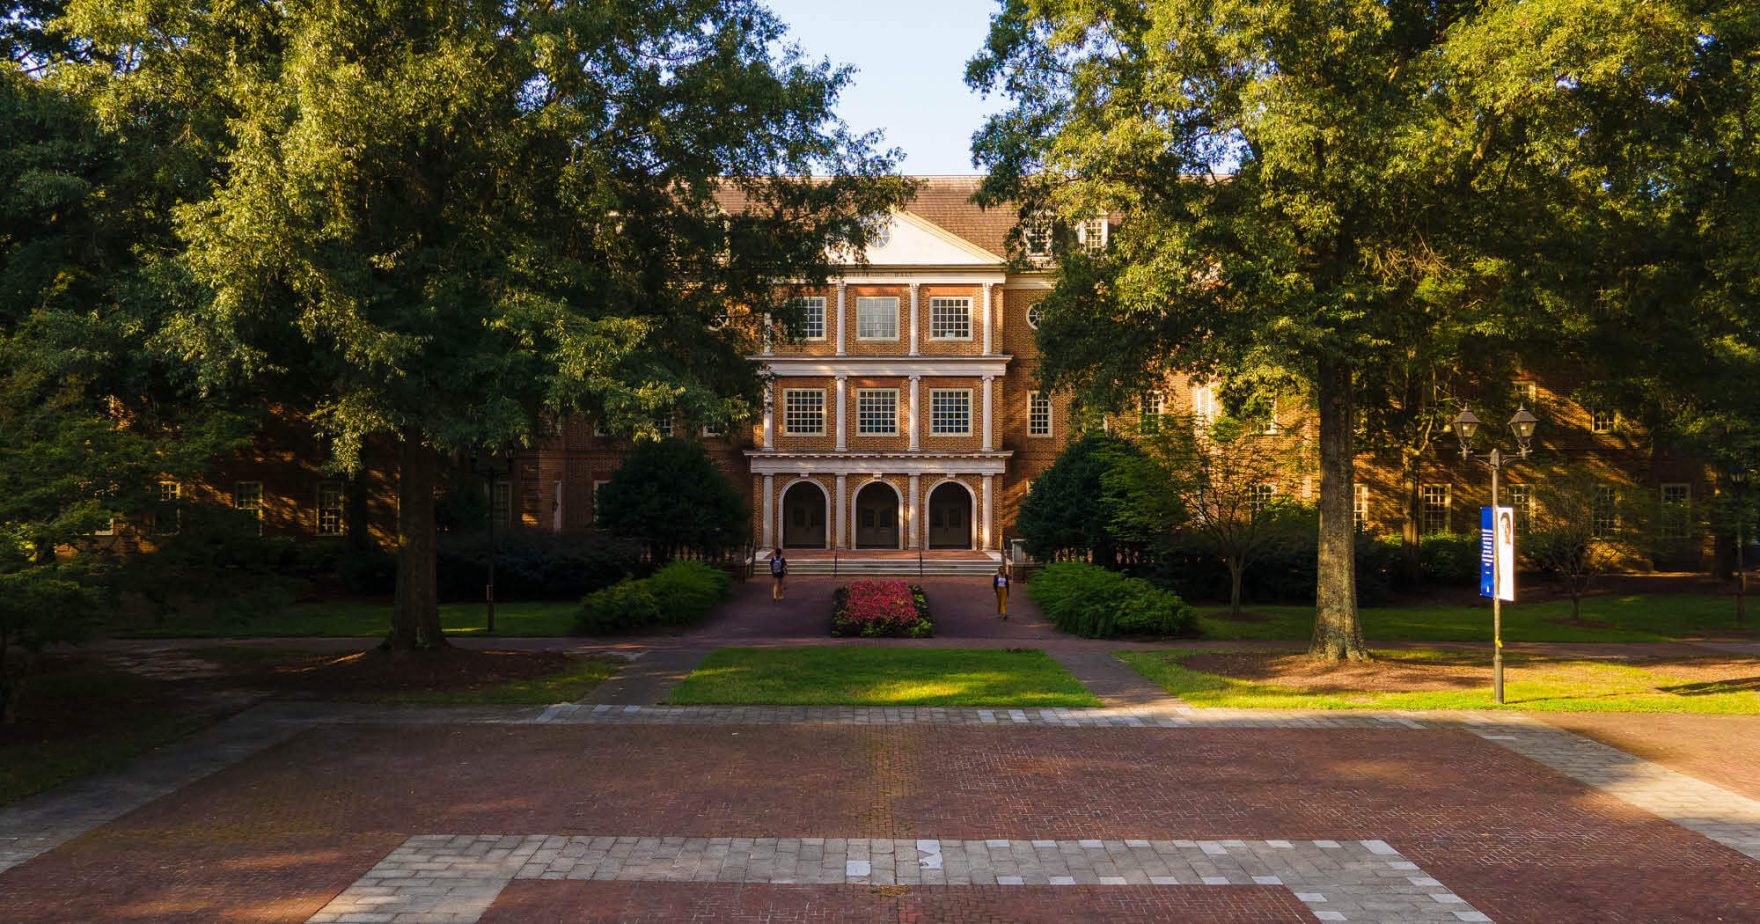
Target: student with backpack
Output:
[{"x": 778, "y": 571}]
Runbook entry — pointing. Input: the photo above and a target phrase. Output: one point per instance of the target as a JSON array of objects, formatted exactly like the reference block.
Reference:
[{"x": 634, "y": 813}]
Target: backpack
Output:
[{"x": 778, "y": 566}]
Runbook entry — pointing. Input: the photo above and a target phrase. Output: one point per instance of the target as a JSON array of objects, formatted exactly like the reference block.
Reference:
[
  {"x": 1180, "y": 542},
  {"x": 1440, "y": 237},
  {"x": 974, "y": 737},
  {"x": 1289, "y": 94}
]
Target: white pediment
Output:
[{"x": 912, "y": 241}]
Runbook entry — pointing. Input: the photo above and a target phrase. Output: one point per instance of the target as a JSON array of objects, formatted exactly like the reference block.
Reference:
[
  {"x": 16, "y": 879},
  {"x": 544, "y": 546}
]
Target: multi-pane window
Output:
[
  {"x": 1038, "y": 413},
  {"x": 1676, "y": 519},
  {"x": 1154, "y": 405},
  {"x": 950, "y": 411},
  {"x": 877, "y": 412},
  {"x": 809, "y": 317},
  {"x": 1036, "y": 234},
  {"x": 1360, "y": 506},
  {"x": 169, "y": 517},
  {"x": 1091, "y": 234},
  {"x": 598, "y": 485},
  {"x": 1204, "y": 405},
  {"x": 330, "y": 508},
  {"x": 1263, "y": 494},
  {"x": 663, "y": 424},
  {"x": 803, "y": 411},
  {"x": 950, "y": 319},
  {"x": 1602, "y": 420},
  {"x": 1434, "y": 500},
  {"x": 501, "y": 501},
  {"x": 1520, "y": 497},
  {"x": 1604, "y": 518},
  {"x": 248, "y": 496},
  {"x": 877, "y": 318},
  {"x": 1034, "y": 315}
]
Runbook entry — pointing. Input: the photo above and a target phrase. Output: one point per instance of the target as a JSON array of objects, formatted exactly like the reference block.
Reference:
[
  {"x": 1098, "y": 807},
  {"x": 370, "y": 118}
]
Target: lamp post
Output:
[
  {"x": 1466, "y": 426},
  {"x": 493, "y": 466}
]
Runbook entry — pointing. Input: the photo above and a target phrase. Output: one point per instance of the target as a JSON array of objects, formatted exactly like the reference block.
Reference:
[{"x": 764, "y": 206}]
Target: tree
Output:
[
  {"x": 1080, "y": 503},
  {"x": 446, "y": 225},
  {"x": 1585, "y": 527},
  {"x": 670, "y": 495},
  {"x": 1225, "y": 478},
  {"x": 1298, "y": 188}
]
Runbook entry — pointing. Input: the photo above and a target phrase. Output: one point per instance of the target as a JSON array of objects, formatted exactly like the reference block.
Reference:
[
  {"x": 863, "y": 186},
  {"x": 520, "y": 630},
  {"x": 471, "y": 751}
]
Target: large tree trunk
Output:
[
  {"x": 1337, "y": 634},
  {"x": 1236, "y": 569},
  {"x": 1411, "y": 529},
  {"x": 415, "y": 617}
]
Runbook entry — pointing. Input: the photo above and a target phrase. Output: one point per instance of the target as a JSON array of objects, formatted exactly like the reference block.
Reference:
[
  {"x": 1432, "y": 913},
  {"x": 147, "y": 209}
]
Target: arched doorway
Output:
[
  {"x": 950, "y": 516},
  {"x": 877, "y": 516},
  {"x": 803, "y": 516}
]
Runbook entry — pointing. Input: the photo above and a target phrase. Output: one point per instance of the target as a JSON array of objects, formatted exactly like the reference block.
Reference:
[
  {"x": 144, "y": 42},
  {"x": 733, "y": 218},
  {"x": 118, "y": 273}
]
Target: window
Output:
[
  {"x": 809, "y": 317},
  {"x": 1036, "y": 233},
  {"x": 1034, "y": 315},
  {"x": 501, "y": 501},
  {"x": 663, "y": 424},
  {"x": 877, "y": 319},
  {"x": 108, "y": 529},
  {"x": 248, "y": 496},
  {"x": 1038, "y": 414},
  {"x": 1602, "y": 420},
  {"x": 1271, "y": 428},
  {"x": 169, "y": 517},
  {"x": 1435, "y": 503},
  {"x": 599, "y": 428},
  {"x": 1520, "y": 497},
  {"x": 330, "y": 508},
  {"x": 1154, "y": 406},
  {"x": 950, "y": 411},
  {"x": 1203, "y": 403},
  {"x": 1604, "y": 519},
  {"x": 1092, "y": 234},
  {"x": 1360, "y": 507},
  {"x": 598, "y": 484},
  {"x": 1263, "y": 494},
  {"x": 950, "y": 319},
  {"x": 877, "y": 412},
  {"x": 1677, "y": 510},
  {"x": 803, "y": 411},
  {"x": 712, "y": 430}
]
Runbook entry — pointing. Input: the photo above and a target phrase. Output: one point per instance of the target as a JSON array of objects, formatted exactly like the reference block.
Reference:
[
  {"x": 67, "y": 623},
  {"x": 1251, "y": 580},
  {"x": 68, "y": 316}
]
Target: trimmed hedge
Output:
[
  {"x": 679, "y": 594},
  {"x": 1092, "y": 602}
]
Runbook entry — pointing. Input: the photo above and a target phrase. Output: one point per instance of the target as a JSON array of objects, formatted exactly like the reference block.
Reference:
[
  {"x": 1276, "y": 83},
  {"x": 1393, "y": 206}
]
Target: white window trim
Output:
[
  {"x": 1040, "y": 226},
  {"x": 872, "y": 434},
  {"x": 787, "y": 430},
  {"x": 1612, "y": 421},
  {"x": 1035, "y": 397},
  {"x": 1034, "y": 314},
  {"x": 802, "y": 302},
  {"x": 895, "y": 311},
  {"x": 501, "y": 495},
  {"x": 341, "y": 509},
  {"x": 1447, "y": 510},
  {"x": 238, "y": 489},
  {"x": 964, "y": 301},
  {"x": 970, "y": 412},
  {"x": 1082, "y": 233},
  {"x": 1360, "y": 505},
  {"x": 1684, "y": 528}
]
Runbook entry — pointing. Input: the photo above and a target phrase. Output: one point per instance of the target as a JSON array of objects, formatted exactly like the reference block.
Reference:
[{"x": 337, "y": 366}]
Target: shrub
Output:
[
  {"x": 671, "y": 495},
  {"x": 876, "y": 609},
  {"x": 1449, "y": 560},
  {"x": 1074, "y": 505},
  {"x": 1091, "y": 602},
  {"x": 679, "y": 594}
]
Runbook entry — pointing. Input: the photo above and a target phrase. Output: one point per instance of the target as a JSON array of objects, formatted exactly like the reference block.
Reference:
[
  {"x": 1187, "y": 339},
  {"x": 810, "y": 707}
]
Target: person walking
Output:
[
  {"x": 778, "y": 571},
  {"x": 1000, "y": 582}
]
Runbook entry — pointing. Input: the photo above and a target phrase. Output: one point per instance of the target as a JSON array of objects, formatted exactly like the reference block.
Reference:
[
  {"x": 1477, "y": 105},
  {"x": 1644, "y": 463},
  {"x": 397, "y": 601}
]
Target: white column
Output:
[
  {"x": 916, "y": 426},
  {"x": 987, "y": 320},
  {"x": 842, "y": 411},
  {"x": 984, "y": 528},
  {"x": 989, "y": 388},
  {"x": 768, "y": 532},
  {"x": 770, "y": 416},
  {"x": 837, "y": 514},
  {"x": 915, "y": 514},
  {"x": 914, "y": 288},
  {"x": 842, "y": 289}
]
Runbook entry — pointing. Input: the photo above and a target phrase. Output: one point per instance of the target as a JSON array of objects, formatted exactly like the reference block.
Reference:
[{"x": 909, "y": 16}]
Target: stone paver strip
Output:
[
  {"x": 454, "y": 880},
  {"x": 648, "y": 677},
  {"x": 1115, "y": 682}
]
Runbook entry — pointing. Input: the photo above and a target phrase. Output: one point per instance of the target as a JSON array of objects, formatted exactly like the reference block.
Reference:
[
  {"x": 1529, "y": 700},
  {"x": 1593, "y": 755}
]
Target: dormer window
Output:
[
  {"x": 1036, "y": 234},
  {"x": 1092, "y": 234}
]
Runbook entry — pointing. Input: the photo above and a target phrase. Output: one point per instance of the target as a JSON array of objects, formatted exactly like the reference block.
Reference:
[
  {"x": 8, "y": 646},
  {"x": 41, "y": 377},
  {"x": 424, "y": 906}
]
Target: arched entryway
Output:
[
  {"x": 803, "y": 516},
  {"x": 950, "y": 516},
  {"x": 876, "y": 516}
]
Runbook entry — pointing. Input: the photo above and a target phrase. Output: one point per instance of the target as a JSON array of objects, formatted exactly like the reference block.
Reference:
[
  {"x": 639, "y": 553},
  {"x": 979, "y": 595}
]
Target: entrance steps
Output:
[{"x": 804, "y": 563}]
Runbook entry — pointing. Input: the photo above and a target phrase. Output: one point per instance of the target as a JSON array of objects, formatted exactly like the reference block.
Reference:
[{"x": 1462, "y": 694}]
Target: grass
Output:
[
  {"x": 563, "y": 687},
  {"x": 1612, "y": 618},
  {"x": 369, "y": 619},
  {"x": 1532, "y": 684},
  {"x": 881, "y": 677}
]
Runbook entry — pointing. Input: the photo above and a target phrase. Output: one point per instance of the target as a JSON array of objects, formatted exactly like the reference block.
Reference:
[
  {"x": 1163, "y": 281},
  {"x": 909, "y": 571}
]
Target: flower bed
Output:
[{"x": 880, "y": 609}]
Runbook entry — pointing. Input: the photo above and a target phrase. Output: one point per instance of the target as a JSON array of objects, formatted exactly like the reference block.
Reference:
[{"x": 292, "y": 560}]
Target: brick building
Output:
[{"x": 903, "y": 415}]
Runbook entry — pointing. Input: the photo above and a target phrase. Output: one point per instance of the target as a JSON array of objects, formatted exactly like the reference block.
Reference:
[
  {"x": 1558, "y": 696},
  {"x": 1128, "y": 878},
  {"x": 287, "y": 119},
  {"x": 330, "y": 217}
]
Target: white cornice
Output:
[
  {"x": 766, "y": 462},
  {"x": 885, "y": 365}
]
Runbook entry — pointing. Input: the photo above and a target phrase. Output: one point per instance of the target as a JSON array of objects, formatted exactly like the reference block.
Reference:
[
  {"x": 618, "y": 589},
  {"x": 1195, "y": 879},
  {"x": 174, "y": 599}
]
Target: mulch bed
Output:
[{"x": 370, "y": 673}]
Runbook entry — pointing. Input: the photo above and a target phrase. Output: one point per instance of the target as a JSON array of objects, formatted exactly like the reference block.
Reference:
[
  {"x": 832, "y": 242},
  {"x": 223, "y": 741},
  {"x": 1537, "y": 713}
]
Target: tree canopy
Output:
[{"x": 670, "y": 495}]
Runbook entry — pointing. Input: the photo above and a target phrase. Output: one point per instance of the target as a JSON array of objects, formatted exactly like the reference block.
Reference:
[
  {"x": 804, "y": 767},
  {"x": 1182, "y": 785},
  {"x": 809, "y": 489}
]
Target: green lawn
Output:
[
  {"x": 361, "y": 619},
  {"x": 1531, "y": 684},
  {"x": 881, "y": 677},
  {"x": 562, "y": 687},
  {"x": 1622, "y": 618}
]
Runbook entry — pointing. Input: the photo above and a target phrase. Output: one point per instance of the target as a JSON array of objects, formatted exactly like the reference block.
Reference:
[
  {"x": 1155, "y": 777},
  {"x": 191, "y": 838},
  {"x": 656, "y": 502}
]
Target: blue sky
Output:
[{"x": 910, "y": 58}]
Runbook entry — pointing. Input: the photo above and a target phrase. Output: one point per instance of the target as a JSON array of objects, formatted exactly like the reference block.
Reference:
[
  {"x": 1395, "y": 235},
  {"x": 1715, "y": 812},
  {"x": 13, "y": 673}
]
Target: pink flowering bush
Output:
[{"x": 874, "y": 609}]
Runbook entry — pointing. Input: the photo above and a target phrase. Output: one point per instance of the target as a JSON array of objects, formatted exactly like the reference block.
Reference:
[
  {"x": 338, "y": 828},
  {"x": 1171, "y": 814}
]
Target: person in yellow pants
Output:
[{"x": 1001, "y": 584}]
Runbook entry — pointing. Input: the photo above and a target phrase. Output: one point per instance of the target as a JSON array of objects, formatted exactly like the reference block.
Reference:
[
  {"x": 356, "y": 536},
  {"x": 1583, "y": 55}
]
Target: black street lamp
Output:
[
  {"x": 492, "y": 466},
  {"x": 1466, "y": 426}
]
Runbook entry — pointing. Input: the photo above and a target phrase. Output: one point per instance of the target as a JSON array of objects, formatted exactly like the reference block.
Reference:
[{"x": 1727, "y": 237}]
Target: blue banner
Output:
[{"x": 1487, "y": 553}]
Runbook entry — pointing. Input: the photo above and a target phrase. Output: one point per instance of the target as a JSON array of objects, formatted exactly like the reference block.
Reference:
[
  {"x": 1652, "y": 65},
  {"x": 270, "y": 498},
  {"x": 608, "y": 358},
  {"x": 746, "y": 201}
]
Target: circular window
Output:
[{"x": 1033, "y": 316}]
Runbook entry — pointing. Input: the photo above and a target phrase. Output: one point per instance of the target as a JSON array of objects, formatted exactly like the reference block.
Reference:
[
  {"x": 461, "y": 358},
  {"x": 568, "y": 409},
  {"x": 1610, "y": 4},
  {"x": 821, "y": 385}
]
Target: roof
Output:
[{"x": 944, "y": 201}]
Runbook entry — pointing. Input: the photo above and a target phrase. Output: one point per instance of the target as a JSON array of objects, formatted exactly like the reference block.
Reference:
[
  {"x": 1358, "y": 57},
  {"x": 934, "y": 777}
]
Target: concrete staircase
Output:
[{"x": 854, "y": 565}]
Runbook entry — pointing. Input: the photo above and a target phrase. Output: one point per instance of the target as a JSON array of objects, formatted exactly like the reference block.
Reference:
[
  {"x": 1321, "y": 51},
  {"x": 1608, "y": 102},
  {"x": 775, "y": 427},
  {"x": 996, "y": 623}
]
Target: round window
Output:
[{"x": 1033, "y": 316}]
